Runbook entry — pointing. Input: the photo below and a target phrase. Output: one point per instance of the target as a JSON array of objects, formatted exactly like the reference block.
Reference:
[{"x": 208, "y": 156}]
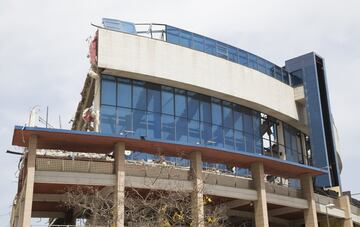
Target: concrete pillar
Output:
[
  {"x": 310, "y": 215},
  {"x": 197, "y": 208},
  {"x": 28, "y": 186},
  {"x": 119, "y": 191},
  {"x": 344, "y": 202},
  {"x": 260, "y": 205}
]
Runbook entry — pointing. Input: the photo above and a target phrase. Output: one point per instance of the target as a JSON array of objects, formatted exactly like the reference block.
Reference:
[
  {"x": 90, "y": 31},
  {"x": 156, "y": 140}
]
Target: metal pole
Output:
[
  {"x": 327, "y": 217},
  {"x": 47, "y": 116}
]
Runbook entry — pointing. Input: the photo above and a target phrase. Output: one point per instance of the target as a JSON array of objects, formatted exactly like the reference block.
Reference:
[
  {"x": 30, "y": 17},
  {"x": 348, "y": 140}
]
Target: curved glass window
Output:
[
  {"x": 204, "y": 44},
  {"x": 157, "y": 112}
]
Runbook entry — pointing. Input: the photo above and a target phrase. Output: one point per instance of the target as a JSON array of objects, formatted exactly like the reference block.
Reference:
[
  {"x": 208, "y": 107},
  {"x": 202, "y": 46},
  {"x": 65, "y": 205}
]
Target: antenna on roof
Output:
[
  {"x": 59, "y": 121},
  {"x": 47, "y": 116}
]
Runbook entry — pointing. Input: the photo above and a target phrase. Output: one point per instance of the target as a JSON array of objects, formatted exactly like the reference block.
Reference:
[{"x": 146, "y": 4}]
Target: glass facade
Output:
[
  {"x": 228, "y": 52},
  {"x": 137, "y": 108},
  {"x": 157, "y": 112}
]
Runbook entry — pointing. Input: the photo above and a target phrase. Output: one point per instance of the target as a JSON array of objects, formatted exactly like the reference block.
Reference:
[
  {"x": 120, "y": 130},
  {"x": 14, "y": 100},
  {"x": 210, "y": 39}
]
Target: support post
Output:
[
  {"x": 260, "y": 205},
  {"x": 28, "y": 187},
  {"x": 344, "y": 201},
  {"x": 310, "y": 215},
  {"x": 197, "y": 206},
  {"x": 119, "y": 192}
]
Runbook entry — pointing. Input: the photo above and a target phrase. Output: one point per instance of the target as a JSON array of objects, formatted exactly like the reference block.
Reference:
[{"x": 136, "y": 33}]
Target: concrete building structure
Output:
[{"x": 167, "y": 109}]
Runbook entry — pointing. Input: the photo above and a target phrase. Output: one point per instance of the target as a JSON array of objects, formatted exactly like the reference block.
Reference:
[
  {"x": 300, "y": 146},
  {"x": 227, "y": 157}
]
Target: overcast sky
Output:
[{"x": 43, "y": 56}]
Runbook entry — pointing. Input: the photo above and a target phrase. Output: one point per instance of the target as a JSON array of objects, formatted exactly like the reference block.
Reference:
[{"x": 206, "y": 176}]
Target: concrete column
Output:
[
  {"x": 260, "y": 205},
  {"x": 28, "y": 187},
  {"x": 344, "y": 202},
  {"x": 119, "y": 191},
  {"x": 197, "y": 208},
  {"x": 310, "y": 215}
]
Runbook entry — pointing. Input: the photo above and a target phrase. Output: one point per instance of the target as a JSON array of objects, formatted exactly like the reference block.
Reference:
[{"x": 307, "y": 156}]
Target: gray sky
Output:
[{"x": 43, "y": 56}]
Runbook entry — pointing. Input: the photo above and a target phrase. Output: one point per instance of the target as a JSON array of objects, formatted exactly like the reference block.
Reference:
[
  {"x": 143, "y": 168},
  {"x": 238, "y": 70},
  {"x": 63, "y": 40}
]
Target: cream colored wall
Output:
[{"x": 157, "y": 61}]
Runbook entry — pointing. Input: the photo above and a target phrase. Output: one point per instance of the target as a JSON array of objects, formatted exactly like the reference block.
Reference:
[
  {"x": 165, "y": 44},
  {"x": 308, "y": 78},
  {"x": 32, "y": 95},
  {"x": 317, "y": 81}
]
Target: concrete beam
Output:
[
  {"x": 282, "y": 211},
  {"x": 286, "y": 201},
  {"x": 53, "y": 177},
  {"x": 230, "y": 192},
  {"x": 236, "y": 203},
  {"x": 334, "y": 212}
]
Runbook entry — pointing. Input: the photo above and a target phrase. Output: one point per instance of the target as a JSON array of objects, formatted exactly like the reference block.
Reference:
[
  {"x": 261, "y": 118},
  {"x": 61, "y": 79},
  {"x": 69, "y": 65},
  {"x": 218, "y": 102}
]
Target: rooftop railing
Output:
[{"x": 204, "y": 44}]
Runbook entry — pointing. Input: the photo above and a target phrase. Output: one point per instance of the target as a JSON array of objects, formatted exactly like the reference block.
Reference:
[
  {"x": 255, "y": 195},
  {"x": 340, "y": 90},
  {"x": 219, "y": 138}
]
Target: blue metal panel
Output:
[
  {"x": 322, "y": 143},
  {"x": 118, "y": 25}
]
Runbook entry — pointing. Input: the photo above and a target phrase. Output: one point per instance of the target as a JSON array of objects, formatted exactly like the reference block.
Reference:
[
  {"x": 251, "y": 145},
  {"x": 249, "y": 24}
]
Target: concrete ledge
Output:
[
  {"x": 286, "y": 201},
  {"x": 336, "y": 212},
  {"x": 159, "y": 184},
  {"x": 50, "y": 177},
  {"x": 230, "y": 192}
]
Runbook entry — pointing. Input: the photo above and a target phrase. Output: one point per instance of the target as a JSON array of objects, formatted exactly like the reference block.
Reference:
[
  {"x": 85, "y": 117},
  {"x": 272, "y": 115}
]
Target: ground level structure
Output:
[{"x": 44, "y": 178}]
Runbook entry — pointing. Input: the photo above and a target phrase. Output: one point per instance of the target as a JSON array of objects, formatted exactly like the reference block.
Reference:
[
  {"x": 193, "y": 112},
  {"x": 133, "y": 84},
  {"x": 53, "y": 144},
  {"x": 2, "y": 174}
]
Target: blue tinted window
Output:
[
  {"x": 270, "y": 69},
  {"x": 256, "y": 123},
  {"x": 296, "y": 77},
  {"x": 249, "y": 143},
  {"x": 108, "y": 119},
  {"x": 205, "y": 109},
  {"x": 252, "y": 61},
  {"x": 232, "y": 54},
  {"x": 218, "y": 137},
  {"x": 193, "y": 106},
  {"x": 194, "y": 132},
  {"x": 154, "y": 125},
  {"x": 124, "y": 93},
  {"x": 154, "y": 98},
  {"x": 180, "y": 103},
  {"x": 278, "y": 74},
  {"x": 139, "y": 118},
  {"x": 124, "y": 121},
  {"x": 172, "y": 35},
  {"x": 198, "y": 42},
  {"x": 108, "y": 92},
  {"x": 167, "y": 99},
  {"x": 216, "y": 111},
  {"x": 185, "y": 39},
  {"x": 168, "y": 127},
  {"x": 285, "y": 77},
  {"x": 243, "y": 57},
  {"x": 238, "y": 119},
  {"x": 210, "y": 46},
  {"x": 291, "y": 144},
  {"x": 181, "y": 126},
  {"x": 139, "y": 95},
  {"x": 221, "y": 50},
  {"x": 239, "y": 141},
  {"x": 261, "y": 65},
  {"x": 248, "y": 122},
  {"x": 206, "y": 133},
  {"x": 229, "y": 138},
  {"x": 228, "y": 115}
]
